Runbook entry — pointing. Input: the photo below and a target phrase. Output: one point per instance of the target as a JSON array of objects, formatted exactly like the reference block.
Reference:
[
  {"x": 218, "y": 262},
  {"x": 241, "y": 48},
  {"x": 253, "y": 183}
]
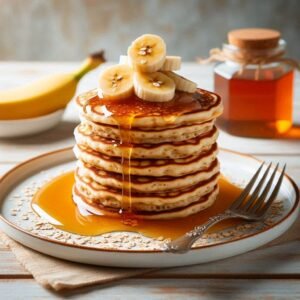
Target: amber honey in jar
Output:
[{"x": 255, "y": 83}]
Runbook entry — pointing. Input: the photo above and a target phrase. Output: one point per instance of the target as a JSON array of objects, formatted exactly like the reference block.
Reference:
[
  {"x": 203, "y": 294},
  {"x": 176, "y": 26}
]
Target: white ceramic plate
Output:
[
  {"x": 238, "y": 167},
  {"x": 23, "y": 127}
]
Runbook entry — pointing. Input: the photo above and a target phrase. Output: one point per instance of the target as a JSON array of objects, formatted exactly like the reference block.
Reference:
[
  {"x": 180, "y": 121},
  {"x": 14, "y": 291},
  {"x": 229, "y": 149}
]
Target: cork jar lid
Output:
[{"x": 254, "y": 38}]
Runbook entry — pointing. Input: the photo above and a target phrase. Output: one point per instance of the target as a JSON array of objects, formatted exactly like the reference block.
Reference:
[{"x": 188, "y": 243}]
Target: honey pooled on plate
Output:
[{"x": 64, "y": 214}]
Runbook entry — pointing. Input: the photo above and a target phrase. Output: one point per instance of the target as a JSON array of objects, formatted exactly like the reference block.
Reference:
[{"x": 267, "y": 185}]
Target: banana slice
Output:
[
  {"x": 147, "y": 53},
  {"x": 116, "y": 82},
  {"x": 182, "y": 84},
  {"x": 172, "y": 63},
  {"x": 155, "y": 87}
]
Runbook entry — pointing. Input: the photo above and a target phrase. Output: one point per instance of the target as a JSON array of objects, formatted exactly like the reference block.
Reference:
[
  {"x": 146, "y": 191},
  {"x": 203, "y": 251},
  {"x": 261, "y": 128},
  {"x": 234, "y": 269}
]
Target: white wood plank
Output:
[
  {"x": 277, "y": 261},
  {"x": 259, "y": 146},
  {"x": 281, "y": 260},
  {"x": 9, "y": 266},
  {"x": 161, "y": 289}
]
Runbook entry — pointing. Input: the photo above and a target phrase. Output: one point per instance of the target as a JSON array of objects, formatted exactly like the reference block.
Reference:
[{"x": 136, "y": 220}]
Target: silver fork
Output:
[{"x": 252, "y": 208}]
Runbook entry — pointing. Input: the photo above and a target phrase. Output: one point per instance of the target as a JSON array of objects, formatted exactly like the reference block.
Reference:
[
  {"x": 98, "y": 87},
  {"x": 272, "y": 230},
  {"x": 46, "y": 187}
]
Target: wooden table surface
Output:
[{"x": 272, "y": 273}]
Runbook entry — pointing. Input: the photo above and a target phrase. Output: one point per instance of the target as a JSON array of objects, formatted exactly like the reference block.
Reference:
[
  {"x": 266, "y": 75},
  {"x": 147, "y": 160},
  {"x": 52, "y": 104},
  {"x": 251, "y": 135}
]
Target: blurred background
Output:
[{"x": 66, "y": 30}]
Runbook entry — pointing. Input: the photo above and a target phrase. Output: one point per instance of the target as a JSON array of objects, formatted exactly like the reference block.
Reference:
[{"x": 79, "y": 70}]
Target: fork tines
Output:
[{"x": 261, "y": 198}]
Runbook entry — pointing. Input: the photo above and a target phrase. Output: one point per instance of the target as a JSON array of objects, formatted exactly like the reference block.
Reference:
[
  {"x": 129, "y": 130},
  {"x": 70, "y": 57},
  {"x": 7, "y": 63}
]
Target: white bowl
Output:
[{"x": 23, "y": 127}]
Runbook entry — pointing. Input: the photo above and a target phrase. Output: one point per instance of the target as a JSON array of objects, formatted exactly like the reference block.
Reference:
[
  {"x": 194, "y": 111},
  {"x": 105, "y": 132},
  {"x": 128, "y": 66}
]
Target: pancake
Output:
[
  {"x": 146, "y": 183},
  {"x": 157, "y": 201},
  {"x": 85, "y": 136},
  {"x": 183, "y": 109},
  {"x": 195, "y": 207},
  {"x": 151, "y": 136},
  {"x": 148, "y": 167}
]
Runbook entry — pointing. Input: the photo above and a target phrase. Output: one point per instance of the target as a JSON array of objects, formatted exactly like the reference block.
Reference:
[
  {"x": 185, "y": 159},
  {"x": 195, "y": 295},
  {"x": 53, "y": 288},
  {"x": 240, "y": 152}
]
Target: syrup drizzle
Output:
[
  {"x": 124, "y": 125},
  {"x": 54, "y": 203}
]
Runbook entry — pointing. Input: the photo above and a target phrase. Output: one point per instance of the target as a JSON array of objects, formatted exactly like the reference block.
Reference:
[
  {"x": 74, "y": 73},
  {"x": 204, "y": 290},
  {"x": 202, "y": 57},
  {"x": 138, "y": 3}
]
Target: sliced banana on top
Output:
[
  {"x": 172, "y": 63},
  {"x": 147, "y": 53},
  {"x": 182, "y": 84},
  {"x": 147, "y": 71},
  {"x": 155, "y": 87},
  {"x": 116, "y": 82}
]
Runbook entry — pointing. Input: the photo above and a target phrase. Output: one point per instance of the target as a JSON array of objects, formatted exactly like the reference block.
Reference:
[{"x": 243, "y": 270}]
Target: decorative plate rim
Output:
[{"x": 60, "y": 243}]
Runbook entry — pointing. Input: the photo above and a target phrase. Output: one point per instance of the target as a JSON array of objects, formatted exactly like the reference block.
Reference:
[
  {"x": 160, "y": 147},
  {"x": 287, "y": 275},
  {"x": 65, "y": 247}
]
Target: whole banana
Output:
[{"x": 45, "y": 95}]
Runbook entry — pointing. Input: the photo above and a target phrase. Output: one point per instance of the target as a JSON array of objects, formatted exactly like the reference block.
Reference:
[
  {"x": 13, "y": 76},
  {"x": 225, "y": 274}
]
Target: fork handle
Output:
[{"x": 185, "y": 242}]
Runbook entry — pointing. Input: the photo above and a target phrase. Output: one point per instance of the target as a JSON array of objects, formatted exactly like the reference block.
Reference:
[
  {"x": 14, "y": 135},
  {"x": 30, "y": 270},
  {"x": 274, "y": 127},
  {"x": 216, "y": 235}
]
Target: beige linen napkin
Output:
[{"x": 59, "y": 274}]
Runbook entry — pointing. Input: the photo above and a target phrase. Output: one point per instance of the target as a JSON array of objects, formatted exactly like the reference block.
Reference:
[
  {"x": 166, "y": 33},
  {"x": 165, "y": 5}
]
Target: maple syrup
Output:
[
  {"x": 126, "y": 146},
  {"x": 182, "y": 103},
  {"x": 54, "y": 203}
]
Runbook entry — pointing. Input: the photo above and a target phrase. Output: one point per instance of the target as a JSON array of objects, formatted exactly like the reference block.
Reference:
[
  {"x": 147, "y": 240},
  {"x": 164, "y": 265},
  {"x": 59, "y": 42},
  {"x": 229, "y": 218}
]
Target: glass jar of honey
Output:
[{"x": 255, "y": 83}]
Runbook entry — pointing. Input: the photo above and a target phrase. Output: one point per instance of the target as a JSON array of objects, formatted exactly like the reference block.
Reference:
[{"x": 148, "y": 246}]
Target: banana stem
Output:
[{"x": 90, "y": 63}]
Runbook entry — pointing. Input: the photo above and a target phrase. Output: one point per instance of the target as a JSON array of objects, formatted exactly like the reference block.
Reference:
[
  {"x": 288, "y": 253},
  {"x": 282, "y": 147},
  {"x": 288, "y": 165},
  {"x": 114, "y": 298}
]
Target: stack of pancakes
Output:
[{"x": 173, "y": 163}]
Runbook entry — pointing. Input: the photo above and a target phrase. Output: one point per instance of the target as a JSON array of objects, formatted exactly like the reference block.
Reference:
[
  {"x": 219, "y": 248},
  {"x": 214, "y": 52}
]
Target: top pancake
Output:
[{"x": 184, "y": 109}]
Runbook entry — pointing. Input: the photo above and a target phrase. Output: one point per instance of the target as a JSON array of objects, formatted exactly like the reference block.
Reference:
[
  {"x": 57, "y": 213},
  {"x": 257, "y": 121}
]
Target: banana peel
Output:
[{"x": 45, "y": 95}]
